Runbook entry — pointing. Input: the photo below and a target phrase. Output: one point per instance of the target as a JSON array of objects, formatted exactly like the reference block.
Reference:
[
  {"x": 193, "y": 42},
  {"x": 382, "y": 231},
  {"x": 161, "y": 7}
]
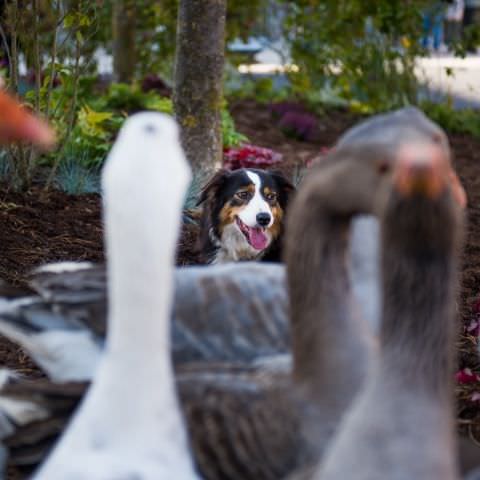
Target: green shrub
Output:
[
  {"x": 99, "y": 119},
  {"x": 74, "y": 178},
  {"x": 231, "y": 138},
  {"x": 455, "y": 121}
]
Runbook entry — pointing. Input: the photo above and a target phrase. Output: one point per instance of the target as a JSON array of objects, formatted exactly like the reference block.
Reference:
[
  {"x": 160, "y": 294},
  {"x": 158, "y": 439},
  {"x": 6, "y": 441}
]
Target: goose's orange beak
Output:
[
  {"x": 17, "y": 124},
  {"x": 424, "y": 169},
  {"x": 457, "y": 188}
]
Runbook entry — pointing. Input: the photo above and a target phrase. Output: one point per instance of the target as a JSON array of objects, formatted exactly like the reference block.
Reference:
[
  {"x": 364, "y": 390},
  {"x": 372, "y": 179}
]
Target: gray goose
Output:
[
  {"x": 233, "y": 411},
  {"x": 141, "y": 433},
  {"x": 232, "y": 312},
  {"x": 210, "y": 303},
  {"x": 474, "y": 475},
  {"x": 402, "y": 424}
]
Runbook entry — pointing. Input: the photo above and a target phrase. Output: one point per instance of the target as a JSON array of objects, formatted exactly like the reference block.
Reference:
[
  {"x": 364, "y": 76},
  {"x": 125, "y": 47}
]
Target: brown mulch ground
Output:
[{"x": 36, "y": 228}]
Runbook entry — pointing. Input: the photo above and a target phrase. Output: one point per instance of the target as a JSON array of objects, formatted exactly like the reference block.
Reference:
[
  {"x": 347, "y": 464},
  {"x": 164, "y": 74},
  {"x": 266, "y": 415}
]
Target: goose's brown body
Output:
[{"x": 402, "y": 426}]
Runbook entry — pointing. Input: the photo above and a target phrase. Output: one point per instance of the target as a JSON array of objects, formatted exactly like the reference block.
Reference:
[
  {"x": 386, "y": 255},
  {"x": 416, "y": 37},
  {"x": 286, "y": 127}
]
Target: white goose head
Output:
[{"x": 129, "y": 425}]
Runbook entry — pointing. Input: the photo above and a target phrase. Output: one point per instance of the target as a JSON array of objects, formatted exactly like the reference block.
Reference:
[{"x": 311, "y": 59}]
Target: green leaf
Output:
[
  {"x": 91, "y": 122},
  {"x": 69, "y": 20}
]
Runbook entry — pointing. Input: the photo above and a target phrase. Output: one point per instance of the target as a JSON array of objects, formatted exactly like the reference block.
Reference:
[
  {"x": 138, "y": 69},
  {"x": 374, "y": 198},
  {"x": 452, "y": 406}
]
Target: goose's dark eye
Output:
[
  {"x": 242, "y": 195},
  {"x": 383, "y": 168}
]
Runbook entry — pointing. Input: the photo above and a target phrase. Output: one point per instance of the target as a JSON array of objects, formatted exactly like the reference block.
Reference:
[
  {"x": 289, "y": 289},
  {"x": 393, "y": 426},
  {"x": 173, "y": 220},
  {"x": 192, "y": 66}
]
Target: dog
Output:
[{"x": 243, "y": 214}]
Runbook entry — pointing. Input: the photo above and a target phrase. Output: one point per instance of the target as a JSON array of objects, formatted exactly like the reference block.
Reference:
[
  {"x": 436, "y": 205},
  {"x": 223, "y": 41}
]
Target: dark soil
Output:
[{"x": 37, "y": 228}]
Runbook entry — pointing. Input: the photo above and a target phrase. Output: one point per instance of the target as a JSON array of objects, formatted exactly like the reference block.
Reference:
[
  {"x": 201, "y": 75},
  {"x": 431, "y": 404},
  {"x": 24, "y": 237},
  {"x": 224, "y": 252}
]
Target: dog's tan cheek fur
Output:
[
  {"x": 227, "y": 216},
  {"x": 276, "y": 227}
]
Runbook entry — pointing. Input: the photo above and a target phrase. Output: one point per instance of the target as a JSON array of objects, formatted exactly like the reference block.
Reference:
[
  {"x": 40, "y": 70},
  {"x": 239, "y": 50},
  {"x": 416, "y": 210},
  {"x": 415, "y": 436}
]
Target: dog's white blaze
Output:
[{"x": 256, "y": 205}]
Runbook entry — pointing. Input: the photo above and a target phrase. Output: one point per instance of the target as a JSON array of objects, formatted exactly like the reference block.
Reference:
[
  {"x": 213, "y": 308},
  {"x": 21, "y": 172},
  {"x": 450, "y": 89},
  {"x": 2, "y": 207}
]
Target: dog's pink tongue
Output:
[{"x": 258, "y": 239}]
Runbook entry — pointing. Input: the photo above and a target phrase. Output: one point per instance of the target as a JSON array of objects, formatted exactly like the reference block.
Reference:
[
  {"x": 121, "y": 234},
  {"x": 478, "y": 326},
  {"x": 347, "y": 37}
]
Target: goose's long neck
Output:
[
  {"x": 418, "y": 328},
  {"x": 140, "y": 292},
  {"x": 141, "y": 237},
  {"x": 324, "y": 334}
]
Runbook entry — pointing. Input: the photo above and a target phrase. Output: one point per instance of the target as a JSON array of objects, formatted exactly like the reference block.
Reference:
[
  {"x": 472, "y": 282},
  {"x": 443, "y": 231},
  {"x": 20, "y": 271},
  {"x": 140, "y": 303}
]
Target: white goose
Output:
[{"x": 130, "y": 425}]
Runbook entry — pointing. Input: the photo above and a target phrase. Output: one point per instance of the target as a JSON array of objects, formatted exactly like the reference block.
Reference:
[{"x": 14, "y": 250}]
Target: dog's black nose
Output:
[{"x": 263, "y": 219}]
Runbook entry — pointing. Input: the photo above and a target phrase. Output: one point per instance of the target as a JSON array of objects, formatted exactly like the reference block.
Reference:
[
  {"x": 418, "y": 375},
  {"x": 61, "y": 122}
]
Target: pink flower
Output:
[
  {"x": 473, "y": 327},
  {"x": 475, "y": 397}
]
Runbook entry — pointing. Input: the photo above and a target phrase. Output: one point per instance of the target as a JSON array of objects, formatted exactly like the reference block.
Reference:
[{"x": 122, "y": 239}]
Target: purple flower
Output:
[{"x": 302, "y": 126}]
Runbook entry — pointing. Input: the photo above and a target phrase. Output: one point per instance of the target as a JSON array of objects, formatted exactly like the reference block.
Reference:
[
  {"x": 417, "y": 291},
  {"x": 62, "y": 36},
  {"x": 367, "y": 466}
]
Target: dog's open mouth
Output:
[{"x": 255, "y": 236}]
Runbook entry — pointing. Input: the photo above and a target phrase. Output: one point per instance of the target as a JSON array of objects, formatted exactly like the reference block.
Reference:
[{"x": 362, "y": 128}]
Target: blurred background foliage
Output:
[{"x": 343, "y": 53}]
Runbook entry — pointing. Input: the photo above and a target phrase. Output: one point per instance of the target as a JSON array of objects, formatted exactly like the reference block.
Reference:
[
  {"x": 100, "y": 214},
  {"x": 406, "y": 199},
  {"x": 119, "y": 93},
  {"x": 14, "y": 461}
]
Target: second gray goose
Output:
[{"x": 233, "y": 412}]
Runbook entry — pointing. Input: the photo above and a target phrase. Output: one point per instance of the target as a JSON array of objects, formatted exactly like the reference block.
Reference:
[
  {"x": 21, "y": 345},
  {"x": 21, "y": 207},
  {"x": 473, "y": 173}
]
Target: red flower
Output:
[
  {"x": 466, "y": 376},
  {"x": 250, "y": 156}
]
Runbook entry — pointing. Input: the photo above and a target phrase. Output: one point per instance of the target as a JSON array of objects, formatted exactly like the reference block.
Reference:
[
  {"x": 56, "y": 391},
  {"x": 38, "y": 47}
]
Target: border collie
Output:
[{"x": 242, "y": 218}]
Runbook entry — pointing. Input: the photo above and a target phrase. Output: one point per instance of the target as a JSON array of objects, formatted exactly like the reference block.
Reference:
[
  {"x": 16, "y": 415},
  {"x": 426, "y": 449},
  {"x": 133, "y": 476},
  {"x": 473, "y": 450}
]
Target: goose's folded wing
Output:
[
  {"x": 241, "y": 423},
  {"x": 234, "y": 312},
  {"x": 37, "y": 412},
  {"x": 58, "y": 342}
]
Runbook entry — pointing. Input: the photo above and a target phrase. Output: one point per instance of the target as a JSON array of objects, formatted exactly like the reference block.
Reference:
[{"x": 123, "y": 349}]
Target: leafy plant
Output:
[
  {"x": 93, "y": 135},
  {"x": 5, "y": 166},
  {"x": 262, "y": 89},
  {"x": 231, "y": 138},
  {"x": 373, "y": 64},
  {"x": 101, "y": 116},
  {"x": 74, "y": 178},
  {"x": 456, "y": 121}
]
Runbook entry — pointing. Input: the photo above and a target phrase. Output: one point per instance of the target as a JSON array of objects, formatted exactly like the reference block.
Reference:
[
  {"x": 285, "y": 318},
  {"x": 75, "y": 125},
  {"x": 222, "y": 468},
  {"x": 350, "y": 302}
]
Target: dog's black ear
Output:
[
  {"x": 213, "y": 185},
  {"x": 285, "y": 185}
]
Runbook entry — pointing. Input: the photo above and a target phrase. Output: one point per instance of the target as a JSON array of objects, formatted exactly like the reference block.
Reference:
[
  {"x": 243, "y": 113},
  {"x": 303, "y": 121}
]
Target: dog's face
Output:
[{"x": 245, "y": 210}]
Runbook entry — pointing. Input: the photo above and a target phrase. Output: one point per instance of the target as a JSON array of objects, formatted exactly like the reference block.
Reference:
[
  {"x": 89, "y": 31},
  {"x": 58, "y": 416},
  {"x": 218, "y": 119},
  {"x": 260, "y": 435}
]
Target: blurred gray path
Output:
[{"x": 463, "y": 85}]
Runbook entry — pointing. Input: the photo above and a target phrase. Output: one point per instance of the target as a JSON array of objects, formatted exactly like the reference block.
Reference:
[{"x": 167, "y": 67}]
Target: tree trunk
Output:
[
  {"x": 124, "y": 55},
  {"x": 198, "y": 92}
]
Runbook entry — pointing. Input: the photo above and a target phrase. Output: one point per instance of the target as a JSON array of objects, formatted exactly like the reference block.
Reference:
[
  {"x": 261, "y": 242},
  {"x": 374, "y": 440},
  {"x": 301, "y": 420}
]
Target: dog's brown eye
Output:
[
  {"x": 242, "y": 195},
  {"x": 271, "y": 197}
]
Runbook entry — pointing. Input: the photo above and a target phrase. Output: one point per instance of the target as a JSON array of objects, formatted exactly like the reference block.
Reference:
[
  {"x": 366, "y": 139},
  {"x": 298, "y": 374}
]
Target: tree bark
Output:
[
  {"x": 124, "y": 54},
  {"x": 198, "y": 94}
]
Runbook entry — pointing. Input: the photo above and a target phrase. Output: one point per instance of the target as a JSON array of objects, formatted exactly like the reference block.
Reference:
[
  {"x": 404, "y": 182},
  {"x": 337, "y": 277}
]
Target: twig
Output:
[
  {"x": 32, "y": 154},
  {"x": 14, "y": 50},
  {"x": 71, "y": 122},
  {"x": 52, "y": 73},
  {"x": 6, "y": 45},
  {"x": 36, "y": 50}
]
